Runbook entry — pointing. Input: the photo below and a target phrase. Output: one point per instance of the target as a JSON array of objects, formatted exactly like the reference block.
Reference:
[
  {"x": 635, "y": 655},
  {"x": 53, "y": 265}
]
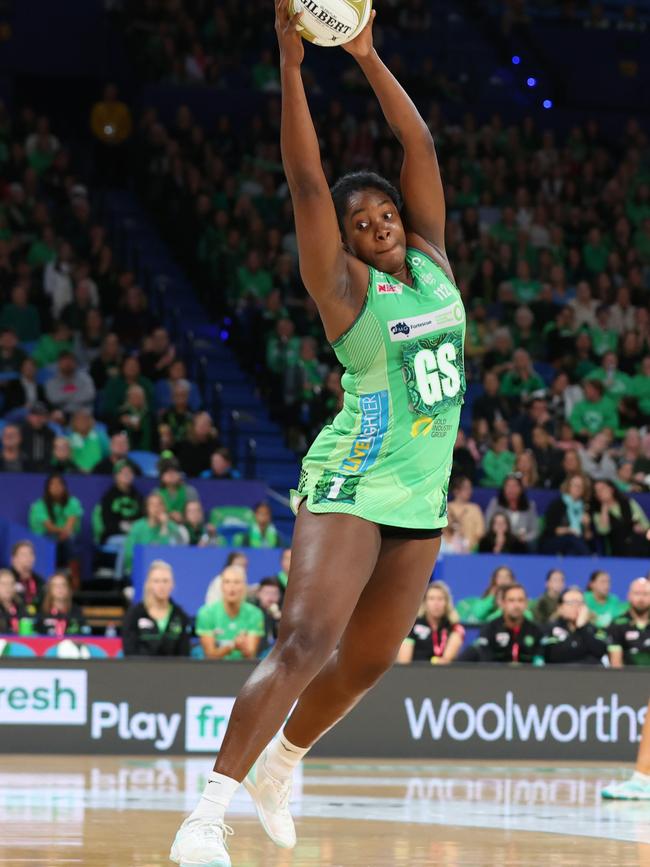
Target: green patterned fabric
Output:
[{"x": 387, "y": 455}]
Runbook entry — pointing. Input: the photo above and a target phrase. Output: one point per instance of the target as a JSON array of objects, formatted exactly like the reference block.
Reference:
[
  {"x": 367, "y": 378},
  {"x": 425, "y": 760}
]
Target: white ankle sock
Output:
[
  {"x": 282, "y": 757},
  {"x": 642, "y": 778},
  {"x": 216, "y": 796}
]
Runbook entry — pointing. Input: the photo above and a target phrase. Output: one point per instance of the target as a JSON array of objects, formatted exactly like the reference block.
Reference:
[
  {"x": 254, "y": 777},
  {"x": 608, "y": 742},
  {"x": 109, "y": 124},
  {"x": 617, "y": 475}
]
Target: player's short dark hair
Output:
[
  {"x": 515, "y": 586},
  {"x": 353, "y": 182}
]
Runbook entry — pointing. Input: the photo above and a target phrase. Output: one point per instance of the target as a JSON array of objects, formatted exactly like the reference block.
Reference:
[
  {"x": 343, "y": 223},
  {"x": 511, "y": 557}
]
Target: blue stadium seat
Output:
[
  {"x": 15, "y": 648},
  {"x": 147, "y": 461}
]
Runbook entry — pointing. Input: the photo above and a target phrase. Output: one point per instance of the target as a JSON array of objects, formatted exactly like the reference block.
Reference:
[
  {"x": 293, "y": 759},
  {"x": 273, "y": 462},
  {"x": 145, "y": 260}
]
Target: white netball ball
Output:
[{"x": 332, "y": 22}]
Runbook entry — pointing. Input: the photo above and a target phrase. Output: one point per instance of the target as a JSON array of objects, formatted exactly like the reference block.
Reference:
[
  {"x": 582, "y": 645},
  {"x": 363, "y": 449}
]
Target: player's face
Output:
[{"x": 374, "y": 231}]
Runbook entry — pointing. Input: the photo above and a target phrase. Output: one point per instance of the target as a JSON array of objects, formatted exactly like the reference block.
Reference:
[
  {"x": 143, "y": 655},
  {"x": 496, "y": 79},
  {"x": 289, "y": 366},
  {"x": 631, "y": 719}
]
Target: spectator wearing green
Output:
[
  {"x": 522, "y": 380},
  {"x": 179, "y": 415},
  {"x": 640, "y": 386},
  {"x": 283, "y": 347},
  {"x": 604, "y": 605},
  {"x": 199, "y": 531},
  {"x": 283, "y": 573},
  {"x": 89, "y": 446},
  {"x": 637, "y": 206},
  {"x": 43, "y": 249},
  {"x": 265, "y": 73},
  {"x": 583, "y": 363},
  {"x": 253, "y": 280},
  {"x": 175, "y": 493},
  {"x": 505, "y": 231},
  {"x": 21, "y": 316},
  {"x": 480, "y": 609},
  {"x": 545, "y": 606},
  {"x": 603, "y": 337},
  {"x": 115, "y": 392},
  {"x": 616, "y": 384},
  {"x": 595, "y": 252},
  {"x": 137, "y": 419},
  {"x": 595, "y": 412},
  {"x": 230, "y": 628},
  {"x": 156, "y": 528},
  {"x": 304, "y": 380},
  {"x": 262, "y": 532},
  {"x": 498, "y": 462},
  {"x": 50, "y": 346},
  {"x": 57, "y": 516},
  {"x": 524, "y": 286}
]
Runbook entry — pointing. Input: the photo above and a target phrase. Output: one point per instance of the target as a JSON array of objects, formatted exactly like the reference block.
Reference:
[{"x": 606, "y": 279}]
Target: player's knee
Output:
[
  {"x": 364, "y": 673},
  {"x": 305, "y": 646}
]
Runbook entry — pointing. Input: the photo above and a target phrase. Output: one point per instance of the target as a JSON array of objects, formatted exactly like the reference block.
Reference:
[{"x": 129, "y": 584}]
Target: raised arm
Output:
[
  {"x": 424, "y": 201},
  {"x": 323, "y": 261}
]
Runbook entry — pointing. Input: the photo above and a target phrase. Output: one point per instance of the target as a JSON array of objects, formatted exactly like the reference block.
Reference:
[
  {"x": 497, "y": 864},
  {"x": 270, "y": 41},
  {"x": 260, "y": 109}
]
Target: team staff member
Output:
[
  {"x": 571, "y": 637},
  {"x": 231, "y": 628},
  {"x": 29, "y": 584},
  {"x": 511, "y": 637},
  {"x": 437, "y": 636},
  {"x": 157, "y": 626},
  {"x": 629, "y": 635},
  {"x": 11, "y": 608},
  {"x": 58, "y": 616}
]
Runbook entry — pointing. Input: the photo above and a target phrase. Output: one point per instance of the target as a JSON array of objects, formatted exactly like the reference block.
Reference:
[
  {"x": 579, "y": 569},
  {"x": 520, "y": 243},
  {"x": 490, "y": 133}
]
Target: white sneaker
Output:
[
  {"x": 634, "y": 789},
  {"x": 201, "y": 843},
  {"x": 271, "y": 799}
]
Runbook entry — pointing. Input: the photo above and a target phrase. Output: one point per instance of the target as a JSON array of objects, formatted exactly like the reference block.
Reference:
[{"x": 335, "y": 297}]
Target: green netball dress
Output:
[{"x": 387, "y": 455}]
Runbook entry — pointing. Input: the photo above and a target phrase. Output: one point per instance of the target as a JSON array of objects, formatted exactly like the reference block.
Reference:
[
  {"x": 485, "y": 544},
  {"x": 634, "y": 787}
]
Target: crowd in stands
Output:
[
  {"x": 564, "y": 625},
  {"x": 88, "y": 376},
  {"x": 548, "y": 235},
  {"x": 238, "y": 621},
  {"x": 549, "y": 238},
  {"x": 82, "y": 357},
  {"x": 590, "y": 515}
]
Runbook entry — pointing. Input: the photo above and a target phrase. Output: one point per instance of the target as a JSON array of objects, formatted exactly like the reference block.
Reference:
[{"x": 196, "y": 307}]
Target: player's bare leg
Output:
[{"x": 637, "y": 788}]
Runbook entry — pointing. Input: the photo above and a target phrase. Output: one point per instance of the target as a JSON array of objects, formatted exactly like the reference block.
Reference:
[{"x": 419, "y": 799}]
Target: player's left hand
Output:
[{"x": 361, "y": 46}]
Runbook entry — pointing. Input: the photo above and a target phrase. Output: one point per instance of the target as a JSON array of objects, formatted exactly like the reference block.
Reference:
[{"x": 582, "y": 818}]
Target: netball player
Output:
[{"x": 372, "y": 496}]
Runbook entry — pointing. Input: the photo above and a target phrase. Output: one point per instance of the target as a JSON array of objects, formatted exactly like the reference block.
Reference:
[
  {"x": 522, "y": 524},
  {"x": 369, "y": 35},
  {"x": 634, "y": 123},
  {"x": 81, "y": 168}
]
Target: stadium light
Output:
[
  {"x": 548, "y": 103},
  {"x": 516, "y": 60},
  {"x": 532, "y": 82}
]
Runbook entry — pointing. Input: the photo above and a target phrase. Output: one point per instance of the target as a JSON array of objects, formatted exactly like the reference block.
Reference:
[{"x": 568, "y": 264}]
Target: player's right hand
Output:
[{"x": 292, "y": 47}]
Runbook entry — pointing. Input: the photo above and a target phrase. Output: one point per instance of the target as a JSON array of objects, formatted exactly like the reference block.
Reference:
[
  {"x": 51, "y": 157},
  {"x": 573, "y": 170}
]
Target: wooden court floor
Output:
[{"x": 123, "y": 812}]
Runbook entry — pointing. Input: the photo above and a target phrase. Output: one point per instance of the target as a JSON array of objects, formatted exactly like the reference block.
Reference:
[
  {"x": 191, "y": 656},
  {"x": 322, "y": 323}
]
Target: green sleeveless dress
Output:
[{"x": 387, "y": 455}]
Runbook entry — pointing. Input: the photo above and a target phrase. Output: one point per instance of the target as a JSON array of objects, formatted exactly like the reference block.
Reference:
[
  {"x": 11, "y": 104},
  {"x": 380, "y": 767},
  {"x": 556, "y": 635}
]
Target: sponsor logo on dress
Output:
[
  {"x": 367, "y": 443},
  {"x": 450, "y": 316},
  {"x": 389, "y": 289}
]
